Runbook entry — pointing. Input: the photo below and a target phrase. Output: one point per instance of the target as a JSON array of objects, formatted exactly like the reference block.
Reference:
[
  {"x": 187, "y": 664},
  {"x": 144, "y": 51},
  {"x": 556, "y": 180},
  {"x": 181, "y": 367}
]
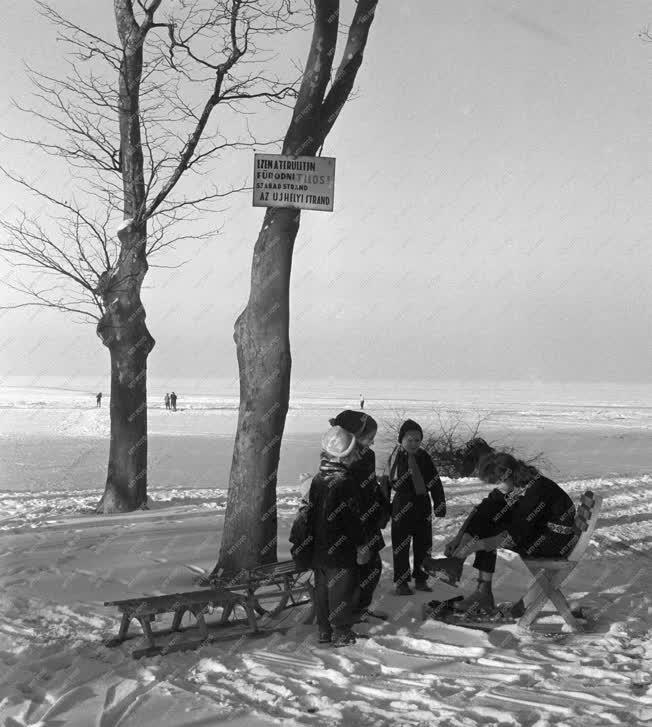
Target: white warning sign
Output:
[{"x": 305, "y": 183}]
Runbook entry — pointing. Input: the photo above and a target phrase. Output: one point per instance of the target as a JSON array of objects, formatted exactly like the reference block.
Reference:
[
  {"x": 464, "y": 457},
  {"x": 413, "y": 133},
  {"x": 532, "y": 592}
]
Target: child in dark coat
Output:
[
  {"x": 415, "y": 481},
  {"x": 337, "y": 532},
  {"x": 375, "y": 508}
]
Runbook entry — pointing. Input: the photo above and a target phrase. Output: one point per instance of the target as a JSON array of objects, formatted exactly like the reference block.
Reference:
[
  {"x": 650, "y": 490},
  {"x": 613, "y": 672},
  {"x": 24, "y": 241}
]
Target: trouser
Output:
[
  {"x": 369, "y": 576},
  {"x": 491, "y": 518},
  {"x": 411, "y": 529},
  {"x": 335, "y": 592}
]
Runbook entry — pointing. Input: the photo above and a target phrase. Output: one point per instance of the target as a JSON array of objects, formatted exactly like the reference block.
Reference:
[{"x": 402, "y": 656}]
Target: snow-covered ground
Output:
[{"x": 59, "y": 563}]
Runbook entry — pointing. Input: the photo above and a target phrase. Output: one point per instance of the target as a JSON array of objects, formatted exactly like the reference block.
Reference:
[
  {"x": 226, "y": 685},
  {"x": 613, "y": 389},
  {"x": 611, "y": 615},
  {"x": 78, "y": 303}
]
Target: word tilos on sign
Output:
[{"x": 305, "y": 183}]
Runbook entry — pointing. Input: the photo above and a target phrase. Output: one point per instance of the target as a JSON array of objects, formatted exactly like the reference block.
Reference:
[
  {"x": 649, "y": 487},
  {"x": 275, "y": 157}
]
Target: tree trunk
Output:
[
  {"x": 262, "y": 330},
  {"x": 126, "y": 481},
  {"x": 122, "y": 327},
  {"x": 264, "y": 361},
  {"x": 124, "y": 332}
]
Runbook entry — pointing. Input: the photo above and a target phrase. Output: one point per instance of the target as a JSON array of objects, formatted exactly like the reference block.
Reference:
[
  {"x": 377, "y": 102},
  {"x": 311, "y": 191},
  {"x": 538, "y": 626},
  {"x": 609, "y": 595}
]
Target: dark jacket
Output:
[
  {"x": 401, "y": 482},
  {"x": 337, "y": 529},
  {"x": 532, "y": 507},
  {"x": 374, "y": 508},
  {"x": 538, "y": 517}
]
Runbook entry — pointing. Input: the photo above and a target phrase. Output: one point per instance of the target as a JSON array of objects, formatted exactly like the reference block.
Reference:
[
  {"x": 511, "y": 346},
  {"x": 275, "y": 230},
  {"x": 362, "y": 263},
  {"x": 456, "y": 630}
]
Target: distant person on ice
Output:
[
  {"x": 415, "y": 481},
  {"x": 98, "y": 399},
  {"x": 525, "y": 512},
  {"x": 375, "y": 508},
  {"x": 361, "y": 402},
  {"x": 167, "y": 401},
  {"x": 173, "y": 401},
  {"x": 338, "y": 533}
]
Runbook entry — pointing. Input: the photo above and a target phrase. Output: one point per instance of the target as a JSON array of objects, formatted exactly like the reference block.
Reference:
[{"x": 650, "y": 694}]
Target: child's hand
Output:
[{"x": 451, "y": 546}]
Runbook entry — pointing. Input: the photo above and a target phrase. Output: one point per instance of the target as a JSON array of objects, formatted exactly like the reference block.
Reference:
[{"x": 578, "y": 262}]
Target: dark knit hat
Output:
[
  {"x": 409, "y": 425},
  {"x": 356, "y": 422}
]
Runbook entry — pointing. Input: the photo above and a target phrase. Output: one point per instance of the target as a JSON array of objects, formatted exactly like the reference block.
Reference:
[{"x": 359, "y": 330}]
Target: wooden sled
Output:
[{"x": 281, "y": 583}]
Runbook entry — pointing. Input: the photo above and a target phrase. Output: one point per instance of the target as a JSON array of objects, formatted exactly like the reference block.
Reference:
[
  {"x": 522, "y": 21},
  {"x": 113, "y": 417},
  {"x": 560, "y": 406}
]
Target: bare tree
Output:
[
  {"x": 160, "y": 80},
  {"x": 262, "y": 330}
]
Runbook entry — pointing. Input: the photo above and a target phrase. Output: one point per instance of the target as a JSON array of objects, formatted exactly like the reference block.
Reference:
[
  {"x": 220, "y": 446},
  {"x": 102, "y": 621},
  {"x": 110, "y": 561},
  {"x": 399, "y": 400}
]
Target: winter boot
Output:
[
  {"x": 481, "y": 600},
  {"x": 403, "y": 589},
  {"x": 345, "y": 637}
]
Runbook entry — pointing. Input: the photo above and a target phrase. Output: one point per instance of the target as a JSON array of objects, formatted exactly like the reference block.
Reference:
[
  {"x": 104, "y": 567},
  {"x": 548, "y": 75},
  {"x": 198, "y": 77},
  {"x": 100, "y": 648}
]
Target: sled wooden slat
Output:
[
  {"x": 170, "y": 601},
  {"x": 551, "y": 573}
]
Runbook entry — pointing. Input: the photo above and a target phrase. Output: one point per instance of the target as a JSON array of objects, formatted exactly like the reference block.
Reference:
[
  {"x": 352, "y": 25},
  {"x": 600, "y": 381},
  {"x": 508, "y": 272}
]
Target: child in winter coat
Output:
[
  {"x": 415, "y": 481},
  {"x": 337, "y": 532},
  {"x": 375, "y": 508}
]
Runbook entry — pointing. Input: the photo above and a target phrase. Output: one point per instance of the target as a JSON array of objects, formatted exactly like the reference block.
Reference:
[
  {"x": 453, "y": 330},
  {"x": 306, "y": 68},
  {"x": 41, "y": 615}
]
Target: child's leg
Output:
[
  {"x": 342, "y": 586},
  {"x": 482, "y": 598},
  {"x": 321, "y": 601},
  {"x": 401, "y": 538},
  {"x": 369, "y": 575},
  {"x": 422, "y": 545}
]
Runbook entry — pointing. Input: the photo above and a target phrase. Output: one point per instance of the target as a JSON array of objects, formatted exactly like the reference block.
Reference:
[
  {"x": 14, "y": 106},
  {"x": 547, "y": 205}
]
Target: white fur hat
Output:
[{"x": 338, "y": 443}]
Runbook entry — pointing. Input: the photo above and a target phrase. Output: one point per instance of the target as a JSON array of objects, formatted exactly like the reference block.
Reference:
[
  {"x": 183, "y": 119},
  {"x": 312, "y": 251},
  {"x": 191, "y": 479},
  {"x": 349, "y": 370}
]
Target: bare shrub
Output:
[{"x": 446, "y": 432}]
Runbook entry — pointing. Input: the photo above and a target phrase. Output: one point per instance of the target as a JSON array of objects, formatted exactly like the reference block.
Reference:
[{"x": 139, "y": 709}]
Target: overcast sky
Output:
[{"x": 492, "y": 208}]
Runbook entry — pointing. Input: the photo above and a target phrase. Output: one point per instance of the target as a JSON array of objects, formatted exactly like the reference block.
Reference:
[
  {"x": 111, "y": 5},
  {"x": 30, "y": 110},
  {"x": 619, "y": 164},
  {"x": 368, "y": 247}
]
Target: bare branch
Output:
[
  {"x": 66, "y": 25},
  {"x": 214, "y": 52}
]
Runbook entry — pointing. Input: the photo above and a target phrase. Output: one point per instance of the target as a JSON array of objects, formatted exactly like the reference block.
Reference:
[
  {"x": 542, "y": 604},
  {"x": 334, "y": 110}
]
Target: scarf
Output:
[
  {"x": 329, "y": 467},
  {"x": 417, "y": 477},
  {"x": 413, "y": 468}
]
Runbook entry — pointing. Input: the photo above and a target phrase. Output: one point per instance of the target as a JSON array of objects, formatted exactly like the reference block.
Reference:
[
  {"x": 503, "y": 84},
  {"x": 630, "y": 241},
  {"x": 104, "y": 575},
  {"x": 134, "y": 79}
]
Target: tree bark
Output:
[
  {"x": 262, "y": 330},
  {"x": 126, "y": 481},
  {"x": 123, "y": 331},
  {"x": 263, "y": 347}
]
